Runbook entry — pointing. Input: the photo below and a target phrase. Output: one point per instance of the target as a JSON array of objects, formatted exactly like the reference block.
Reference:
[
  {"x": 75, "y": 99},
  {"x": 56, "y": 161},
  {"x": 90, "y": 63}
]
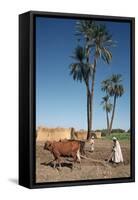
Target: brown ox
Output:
[{"x": 64, "y": 148}]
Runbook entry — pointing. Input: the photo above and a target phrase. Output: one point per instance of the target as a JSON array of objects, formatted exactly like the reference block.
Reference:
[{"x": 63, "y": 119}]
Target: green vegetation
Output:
[
  {"x": 107, "y": 106},
  {"x": 114, "y": 89},
  {"x": 119, "y": 136},
  {"x": 128, "y": 131},
  {"x": 105, "y": 131}
]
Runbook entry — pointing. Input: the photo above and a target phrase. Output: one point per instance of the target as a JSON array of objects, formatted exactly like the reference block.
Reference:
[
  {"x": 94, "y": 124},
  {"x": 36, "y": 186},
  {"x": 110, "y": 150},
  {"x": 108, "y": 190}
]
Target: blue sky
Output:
[{"x": 61, "y": 101}]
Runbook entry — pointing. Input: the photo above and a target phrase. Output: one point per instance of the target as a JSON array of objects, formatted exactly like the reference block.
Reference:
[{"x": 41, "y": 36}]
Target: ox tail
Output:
[{"x": 82, "y": 145}]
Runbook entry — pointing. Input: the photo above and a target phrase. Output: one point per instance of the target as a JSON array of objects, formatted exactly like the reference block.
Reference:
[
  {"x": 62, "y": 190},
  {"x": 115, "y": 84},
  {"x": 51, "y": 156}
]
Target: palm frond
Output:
[
  {"x": 106, "y": 103},
  {"x": 113, "y": 85}
]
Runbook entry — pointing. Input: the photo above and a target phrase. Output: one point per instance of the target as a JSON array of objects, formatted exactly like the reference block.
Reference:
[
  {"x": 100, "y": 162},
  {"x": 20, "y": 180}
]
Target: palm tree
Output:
[
  {"x": 101, "y": 44},
  {"x": 99, "y": 40},
  {"x": 81, "y": 72},
  {"x": 107, "y": 106},
  {"x": 115, "y": 89},
  {"x": 86, "y": 29}
]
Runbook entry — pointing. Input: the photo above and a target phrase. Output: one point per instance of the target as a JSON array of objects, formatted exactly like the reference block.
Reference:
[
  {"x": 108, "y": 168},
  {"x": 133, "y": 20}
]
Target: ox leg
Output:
[
  {"x": 59, "y": 163},
  {"x": 78, "y": 156},
  {"x": 56, "y": 159},
  {"x": 54, "y": 162},
  {"x": 74, "y": 160}
]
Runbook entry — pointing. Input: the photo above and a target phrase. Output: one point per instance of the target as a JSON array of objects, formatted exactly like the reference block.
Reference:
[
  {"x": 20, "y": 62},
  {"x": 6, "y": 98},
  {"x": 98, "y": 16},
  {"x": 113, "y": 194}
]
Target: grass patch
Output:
[{"x": 119, "y": 136}]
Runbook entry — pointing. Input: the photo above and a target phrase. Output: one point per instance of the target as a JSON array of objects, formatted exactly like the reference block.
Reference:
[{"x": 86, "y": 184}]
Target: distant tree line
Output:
[
  {"x": 128, "y": 131},
  {"x": 117, "y": 130}
]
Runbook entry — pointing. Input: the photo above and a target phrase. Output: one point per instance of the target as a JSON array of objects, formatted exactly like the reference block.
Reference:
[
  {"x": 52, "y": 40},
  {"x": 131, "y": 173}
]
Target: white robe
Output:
[
  {"x": 91, "y": 144},
  {"x": 117, "y": 156}
]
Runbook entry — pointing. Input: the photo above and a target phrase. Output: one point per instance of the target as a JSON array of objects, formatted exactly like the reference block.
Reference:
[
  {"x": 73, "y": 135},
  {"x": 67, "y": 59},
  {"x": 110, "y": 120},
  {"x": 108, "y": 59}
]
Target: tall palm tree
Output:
[
  {"x": 85, "y": 28},
  {"x": 97, "y": 44},
  {"x": 115, "y": 89},
  {"x": 81, "y": 72},
  {"x": 107, "y": 106},
  {"x": 101, "y": 43}
]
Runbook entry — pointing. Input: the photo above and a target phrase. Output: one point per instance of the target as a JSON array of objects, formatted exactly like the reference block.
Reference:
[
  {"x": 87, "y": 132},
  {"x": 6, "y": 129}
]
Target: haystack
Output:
[
  {"x": 97, "y": 135},
  {"x": 53, "y": 134},
  {"x": 79, "y": 135}
]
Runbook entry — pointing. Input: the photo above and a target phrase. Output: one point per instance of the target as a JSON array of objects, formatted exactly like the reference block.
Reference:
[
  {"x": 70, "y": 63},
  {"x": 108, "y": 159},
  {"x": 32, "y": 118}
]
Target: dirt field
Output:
[{"x": 89, "y": 170}]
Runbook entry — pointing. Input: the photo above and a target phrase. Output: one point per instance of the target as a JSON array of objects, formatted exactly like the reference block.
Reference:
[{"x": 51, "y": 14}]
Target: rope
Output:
[{"x": 94, "y": 160}]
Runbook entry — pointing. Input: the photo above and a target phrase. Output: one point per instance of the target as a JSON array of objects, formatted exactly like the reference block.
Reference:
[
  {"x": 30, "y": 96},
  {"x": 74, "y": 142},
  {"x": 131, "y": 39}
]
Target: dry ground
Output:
[{"x": 89, "y": 170}]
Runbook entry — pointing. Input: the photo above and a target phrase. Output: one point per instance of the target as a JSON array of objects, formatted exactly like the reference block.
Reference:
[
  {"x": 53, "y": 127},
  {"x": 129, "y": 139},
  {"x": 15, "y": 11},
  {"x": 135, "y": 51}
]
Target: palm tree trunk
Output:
[
  {"x": 113, "y": 113},
  {"x": 90, "y": 115},
  {"x": 88, "y": 106},
  {"x": 107, "y": 118},
  {"x": 91, "y": 96},
  {"x": 88, "y": 112},
  {"x": 88, "y": 99}
]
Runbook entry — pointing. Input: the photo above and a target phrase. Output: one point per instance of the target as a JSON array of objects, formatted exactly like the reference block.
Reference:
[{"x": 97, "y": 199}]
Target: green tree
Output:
[
  {"x": 97, "y": 44},
  {"x": 107, "y": 106},
  {"x": 115, "y": 89},
  {"x": 81, "y": 71},
  {"x": 128, "y": 131},
  {"x": 85, "y": 30}
]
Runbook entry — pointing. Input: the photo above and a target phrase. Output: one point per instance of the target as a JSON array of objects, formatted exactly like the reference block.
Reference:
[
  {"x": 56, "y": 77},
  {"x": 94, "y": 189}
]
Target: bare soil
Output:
[{"x": 93, "y": 168}]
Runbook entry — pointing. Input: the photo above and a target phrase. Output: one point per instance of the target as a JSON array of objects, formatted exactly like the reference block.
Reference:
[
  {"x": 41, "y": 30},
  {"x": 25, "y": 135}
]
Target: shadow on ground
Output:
[
  {"x": 13, "y": 180},
  {"x": 64, "y": 164}
]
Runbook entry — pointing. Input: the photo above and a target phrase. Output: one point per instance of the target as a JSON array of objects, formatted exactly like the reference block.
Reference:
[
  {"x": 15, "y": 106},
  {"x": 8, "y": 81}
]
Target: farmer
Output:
[
  {"x": 116, "y": 156},
  {"x": 92, "y": 144}
]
